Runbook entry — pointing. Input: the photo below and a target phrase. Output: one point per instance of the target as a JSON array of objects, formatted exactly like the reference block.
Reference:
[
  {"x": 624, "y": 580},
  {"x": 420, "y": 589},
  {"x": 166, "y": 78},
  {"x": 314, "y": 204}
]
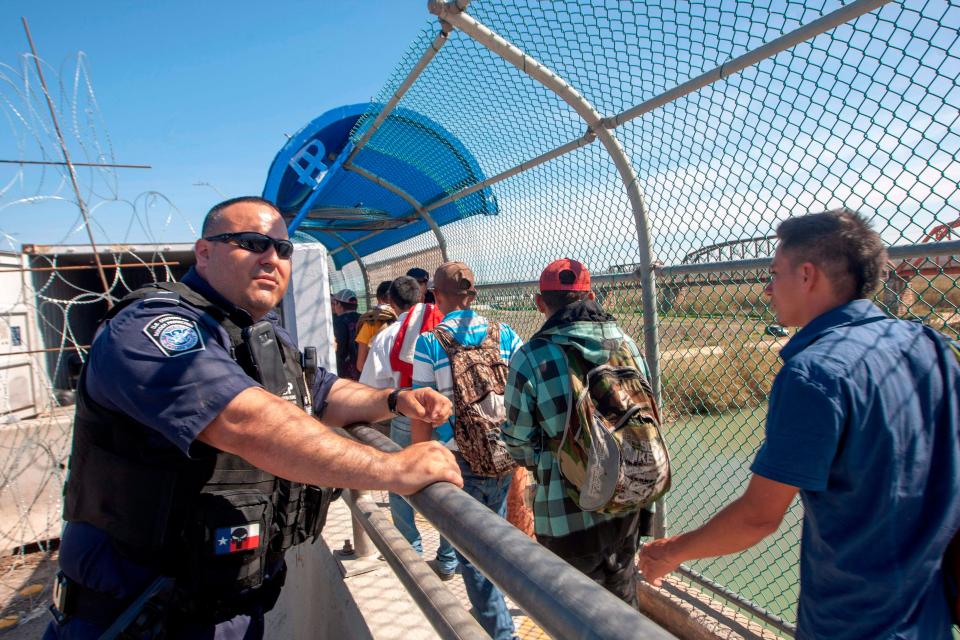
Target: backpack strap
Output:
[
  {"x": 577, "y": 365},
  {"x": 447, "y": 341},
  {"x": 452, "y": 347},
  {"x": 492, "y": 339}
]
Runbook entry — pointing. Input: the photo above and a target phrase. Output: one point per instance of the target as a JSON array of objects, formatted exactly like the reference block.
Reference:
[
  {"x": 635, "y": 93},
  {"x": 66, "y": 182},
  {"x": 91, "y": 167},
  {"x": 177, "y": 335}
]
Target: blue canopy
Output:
[{"x": 340, "y": 207}]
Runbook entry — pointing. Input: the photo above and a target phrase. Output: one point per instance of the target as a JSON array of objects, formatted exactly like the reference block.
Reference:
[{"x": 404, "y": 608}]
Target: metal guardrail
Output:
[
  {"x": 718, "y": 589},
  {"x": 561, "y": 600},
  {"x": 441, "y": 608}
]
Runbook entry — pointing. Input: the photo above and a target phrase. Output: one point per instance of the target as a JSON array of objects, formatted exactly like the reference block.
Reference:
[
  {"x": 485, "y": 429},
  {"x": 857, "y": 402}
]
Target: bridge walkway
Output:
[{"x": 387, "y": 608}]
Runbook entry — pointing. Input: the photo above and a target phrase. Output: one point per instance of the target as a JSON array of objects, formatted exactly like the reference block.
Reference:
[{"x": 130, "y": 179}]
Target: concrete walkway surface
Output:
[{"x": 387, "y": 608}]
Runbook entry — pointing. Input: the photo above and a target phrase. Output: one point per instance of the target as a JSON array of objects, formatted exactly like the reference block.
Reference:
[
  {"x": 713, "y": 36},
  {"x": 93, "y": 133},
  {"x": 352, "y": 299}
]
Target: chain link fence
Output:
[
  {"x": 661, "y": 143},
  {"x": 658, "y": 142}
]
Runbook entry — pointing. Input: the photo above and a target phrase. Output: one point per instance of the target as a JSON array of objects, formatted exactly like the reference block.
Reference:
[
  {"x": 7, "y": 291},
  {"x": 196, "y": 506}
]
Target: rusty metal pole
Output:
[{"x": 70, "y": 167}]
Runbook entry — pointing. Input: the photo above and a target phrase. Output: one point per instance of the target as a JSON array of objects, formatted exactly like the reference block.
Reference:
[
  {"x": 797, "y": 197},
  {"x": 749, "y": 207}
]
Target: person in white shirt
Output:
[{"x": 373, "y": 321}]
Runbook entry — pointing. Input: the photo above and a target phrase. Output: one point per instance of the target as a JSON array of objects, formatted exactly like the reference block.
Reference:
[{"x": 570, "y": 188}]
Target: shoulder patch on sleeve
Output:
[{"x": 174, "y": 335}]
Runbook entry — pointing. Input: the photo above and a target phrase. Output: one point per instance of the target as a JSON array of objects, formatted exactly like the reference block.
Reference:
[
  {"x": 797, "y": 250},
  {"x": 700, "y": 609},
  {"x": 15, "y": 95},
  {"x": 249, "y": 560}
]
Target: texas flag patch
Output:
[{"x": 233, "y": 539}]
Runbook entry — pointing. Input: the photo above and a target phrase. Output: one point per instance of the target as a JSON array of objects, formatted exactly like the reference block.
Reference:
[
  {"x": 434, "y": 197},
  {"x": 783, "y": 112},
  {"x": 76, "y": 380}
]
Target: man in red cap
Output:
[{"x": 537, "y": 399}]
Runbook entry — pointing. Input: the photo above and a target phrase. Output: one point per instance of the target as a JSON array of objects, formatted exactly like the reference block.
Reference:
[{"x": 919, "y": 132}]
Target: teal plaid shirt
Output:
[{"x": 536, "y": 397}]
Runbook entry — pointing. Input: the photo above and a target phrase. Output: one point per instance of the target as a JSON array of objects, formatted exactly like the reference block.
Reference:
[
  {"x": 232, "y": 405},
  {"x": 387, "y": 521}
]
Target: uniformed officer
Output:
[{"x": 195, "y": 463}]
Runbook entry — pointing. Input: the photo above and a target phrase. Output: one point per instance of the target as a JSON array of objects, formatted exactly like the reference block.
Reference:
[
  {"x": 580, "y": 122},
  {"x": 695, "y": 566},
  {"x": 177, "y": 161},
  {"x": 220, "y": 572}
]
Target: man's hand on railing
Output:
[
  {"x": 419, "y": 465},
  {"x": 657, "y": 560},
  {"x": 424, "y": 404}
]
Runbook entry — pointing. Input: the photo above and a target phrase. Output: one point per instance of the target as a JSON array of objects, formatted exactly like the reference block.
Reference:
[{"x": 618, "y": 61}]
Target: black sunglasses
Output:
[{"x": 255, "y": 242}]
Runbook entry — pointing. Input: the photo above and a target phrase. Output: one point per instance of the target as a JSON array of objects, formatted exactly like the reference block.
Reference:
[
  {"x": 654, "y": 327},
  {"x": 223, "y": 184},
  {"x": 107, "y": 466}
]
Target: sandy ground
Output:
[{"x": 25, "y": 584}]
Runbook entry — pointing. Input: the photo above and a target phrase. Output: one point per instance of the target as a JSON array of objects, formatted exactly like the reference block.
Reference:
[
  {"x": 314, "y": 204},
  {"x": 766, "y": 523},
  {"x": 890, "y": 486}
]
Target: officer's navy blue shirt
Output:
[
  {"x": 864, "y": 420},
  {"x": 174, "y": 386}
]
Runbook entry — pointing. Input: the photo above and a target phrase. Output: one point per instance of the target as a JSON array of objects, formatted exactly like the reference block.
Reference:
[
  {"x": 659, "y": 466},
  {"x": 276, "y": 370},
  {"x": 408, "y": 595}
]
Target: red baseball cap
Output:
[{"x": 565, "y": 275}]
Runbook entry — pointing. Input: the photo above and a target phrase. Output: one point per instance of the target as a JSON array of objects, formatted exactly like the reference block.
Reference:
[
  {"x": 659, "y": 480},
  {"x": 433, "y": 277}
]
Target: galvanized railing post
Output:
[{"x": 362, "y": 545}]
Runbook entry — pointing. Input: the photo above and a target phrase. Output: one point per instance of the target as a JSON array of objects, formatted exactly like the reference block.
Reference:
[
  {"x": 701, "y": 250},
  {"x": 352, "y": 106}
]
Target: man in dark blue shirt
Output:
[
  {"x": 863, "y": 422},
  {"x": 345, "y": 319},
  {"x": 166, "y": 376}
]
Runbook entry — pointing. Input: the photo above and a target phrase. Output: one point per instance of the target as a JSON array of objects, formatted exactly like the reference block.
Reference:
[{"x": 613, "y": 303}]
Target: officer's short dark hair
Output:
[
  {"x": 211, "y": 222},
  {"x": 404, "y": 292},
  {"x": 556, "y": 300},
  {"x": 382, "y": 291},
  {"x": 840, "y": 243}
]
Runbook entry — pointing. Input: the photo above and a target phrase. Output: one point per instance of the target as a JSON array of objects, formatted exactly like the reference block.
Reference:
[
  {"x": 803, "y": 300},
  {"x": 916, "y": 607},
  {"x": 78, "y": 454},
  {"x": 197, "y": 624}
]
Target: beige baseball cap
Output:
[{"x": 454, "y": 278}]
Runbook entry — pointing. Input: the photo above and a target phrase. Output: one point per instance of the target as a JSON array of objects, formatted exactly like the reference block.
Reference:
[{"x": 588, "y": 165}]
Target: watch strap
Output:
[{"x": 392, "y": 400}]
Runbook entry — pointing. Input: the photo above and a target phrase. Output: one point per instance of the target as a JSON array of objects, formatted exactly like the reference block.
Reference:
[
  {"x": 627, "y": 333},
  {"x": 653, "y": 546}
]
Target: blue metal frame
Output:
[{"x": 309, "y": 173}]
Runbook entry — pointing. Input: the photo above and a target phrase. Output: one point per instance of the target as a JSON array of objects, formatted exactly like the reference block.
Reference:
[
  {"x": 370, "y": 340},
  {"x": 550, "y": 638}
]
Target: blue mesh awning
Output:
[{"x": 341, "y": 207}]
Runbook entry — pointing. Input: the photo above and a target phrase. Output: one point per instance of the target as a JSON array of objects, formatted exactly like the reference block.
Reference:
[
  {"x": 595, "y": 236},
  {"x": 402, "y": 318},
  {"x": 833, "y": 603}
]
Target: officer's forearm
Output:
[
  {"x": 350, "y": 402},
  {"x": 278, "y": 437},
  {"x": 420, "y": 431}
]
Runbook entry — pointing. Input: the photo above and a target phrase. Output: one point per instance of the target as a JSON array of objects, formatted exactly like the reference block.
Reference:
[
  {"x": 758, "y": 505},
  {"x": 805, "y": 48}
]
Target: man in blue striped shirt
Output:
[{"x": 455, "y": 292}]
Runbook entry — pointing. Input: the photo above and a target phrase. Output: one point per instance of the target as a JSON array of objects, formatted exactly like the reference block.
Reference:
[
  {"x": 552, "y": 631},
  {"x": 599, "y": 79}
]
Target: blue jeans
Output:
[
  {"x": 403, "y": 513},
  {"x": 487, "y": 600}
]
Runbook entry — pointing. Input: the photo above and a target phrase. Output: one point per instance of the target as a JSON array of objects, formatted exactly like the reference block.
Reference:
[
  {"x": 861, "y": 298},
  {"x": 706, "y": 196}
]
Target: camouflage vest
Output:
[
  {"x": 611, "y": 455},
  {"x": 479, "y": 378}
]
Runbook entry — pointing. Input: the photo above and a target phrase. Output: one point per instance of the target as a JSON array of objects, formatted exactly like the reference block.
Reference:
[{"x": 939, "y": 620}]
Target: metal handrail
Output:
[
  {"x": 564, "y": 602},
  {"x": 442, "y": 609},
  {"x": 732, "y": 596}
]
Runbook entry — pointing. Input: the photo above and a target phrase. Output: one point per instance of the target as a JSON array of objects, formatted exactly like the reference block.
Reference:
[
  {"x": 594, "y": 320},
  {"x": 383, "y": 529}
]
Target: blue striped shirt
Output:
[{"x": 431, "y": 367}]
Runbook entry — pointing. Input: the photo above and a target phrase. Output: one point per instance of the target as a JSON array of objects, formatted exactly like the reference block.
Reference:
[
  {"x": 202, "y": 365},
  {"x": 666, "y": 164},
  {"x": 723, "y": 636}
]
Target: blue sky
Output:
[
  {"x": 203, "y": 92},
  {"x": 864, "y": 116}
]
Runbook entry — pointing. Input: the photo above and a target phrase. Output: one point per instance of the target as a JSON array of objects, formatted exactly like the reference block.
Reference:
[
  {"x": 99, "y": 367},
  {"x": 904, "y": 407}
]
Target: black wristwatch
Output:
[{"x": 392, "y": 400}]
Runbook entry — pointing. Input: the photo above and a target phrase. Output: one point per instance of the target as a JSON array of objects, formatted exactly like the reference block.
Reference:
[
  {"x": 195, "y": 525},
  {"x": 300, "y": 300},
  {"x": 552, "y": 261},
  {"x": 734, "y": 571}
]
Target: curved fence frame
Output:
[{"x": 454, "y": 14}]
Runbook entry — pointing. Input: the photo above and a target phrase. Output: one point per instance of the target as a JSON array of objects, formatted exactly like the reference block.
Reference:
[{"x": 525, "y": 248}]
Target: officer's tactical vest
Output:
[{"x": 216, "y": 523}]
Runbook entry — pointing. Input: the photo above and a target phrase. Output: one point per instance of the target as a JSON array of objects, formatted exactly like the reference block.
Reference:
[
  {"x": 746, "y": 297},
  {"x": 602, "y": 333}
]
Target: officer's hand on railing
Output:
[
  {"x": 424, "y": 404},
  {"x": 657, "y": 560},
  {"x": 419, "y": 465}
]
